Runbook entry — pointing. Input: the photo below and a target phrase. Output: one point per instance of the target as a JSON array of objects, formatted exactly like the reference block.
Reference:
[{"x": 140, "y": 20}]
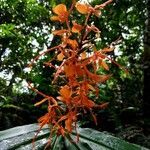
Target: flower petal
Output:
[
  {"x": 87, "y": 102},
  {"x": 54, "y": 18},
  {"x": 60, "y": 9},
  {"x": 83, "y": 55},
  {"x": 69, "y": 70},
  {"x": 104, "y": 65},
  {"x": 91, "y": 87},
  {"x": 76, "y": 28},
  {"x": 82, "y": 8},
  {"x": 68, "y": 125},
  {"x": 65, "y": 92},
  {"x": 97, "y": 13},
  {"x": 107, "y": 49},
  {"x": 60, "y": 56},
  {"x": 59, "y": 32},
  {"x": 72, "y": 43},
  {"x": 94, "y": 29}
]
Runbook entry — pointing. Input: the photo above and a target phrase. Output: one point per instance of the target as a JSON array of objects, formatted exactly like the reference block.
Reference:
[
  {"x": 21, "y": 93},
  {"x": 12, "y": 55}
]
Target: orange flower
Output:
[
  {"x": 60, "y": 32},
  {"x": 61, "y": 12},
  {"x": 72, "y": 43},
  {"x": 85, "y": 9},
  {"x": 87, "y": 102},
  {"x": 76, "y": 27},
  {"x": 97, "y": 13},
  {"x": 107, "y": 50},
  {"x": 95, "y": 77},
  {"x": 61, "y": 131},
  {"x": 104, "y": 65},
  {"x": 92, "y": 28},
  {"x": 69, "y": 70},
  {"x": 82, "y": 8},
  {"x": 65, "y": 94},
  {"x": 60, "y": 56},
  {"x": 71, "y": 117}
]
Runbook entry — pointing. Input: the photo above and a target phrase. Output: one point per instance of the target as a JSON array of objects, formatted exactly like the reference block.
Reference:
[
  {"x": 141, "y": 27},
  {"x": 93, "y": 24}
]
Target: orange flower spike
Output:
[{"x": 61, "y": 12}]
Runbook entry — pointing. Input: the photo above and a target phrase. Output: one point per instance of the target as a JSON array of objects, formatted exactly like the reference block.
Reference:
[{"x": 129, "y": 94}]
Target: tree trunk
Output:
[{"x": 146, "y": 102}]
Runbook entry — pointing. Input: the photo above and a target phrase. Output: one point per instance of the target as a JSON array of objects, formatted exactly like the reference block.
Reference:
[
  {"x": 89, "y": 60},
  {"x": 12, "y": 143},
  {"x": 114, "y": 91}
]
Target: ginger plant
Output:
[{"x": 79, "y": 62}]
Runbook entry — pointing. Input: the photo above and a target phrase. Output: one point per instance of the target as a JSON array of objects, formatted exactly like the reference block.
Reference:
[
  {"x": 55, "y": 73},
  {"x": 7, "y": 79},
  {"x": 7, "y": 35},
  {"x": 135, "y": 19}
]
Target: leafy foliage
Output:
[
  {"x": 21, "y": 137},
  {"x": 21, "y": 32}
]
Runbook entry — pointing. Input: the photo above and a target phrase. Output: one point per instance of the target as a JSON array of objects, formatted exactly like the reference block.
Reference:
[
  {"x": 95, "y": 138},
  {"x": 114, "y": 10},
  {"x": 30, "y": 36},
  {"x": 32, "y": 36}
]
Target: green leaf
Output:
[{"x": 20, "y": 138}]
